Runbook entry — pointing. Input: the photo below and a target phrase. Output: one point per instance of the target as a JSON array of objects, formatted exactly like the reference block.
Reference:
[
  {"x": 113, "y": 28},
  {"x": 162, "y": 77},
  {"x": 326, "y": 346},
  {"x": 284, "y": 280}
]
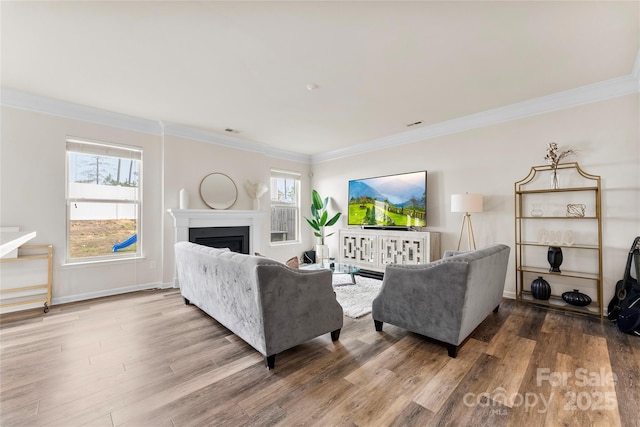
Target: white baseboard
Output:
[
  {"x": 21, "y": 307},
  {"x": 509, "y": 294},
  {"x": 109, "y": 292},
  {"x": 127, "y": 289}
]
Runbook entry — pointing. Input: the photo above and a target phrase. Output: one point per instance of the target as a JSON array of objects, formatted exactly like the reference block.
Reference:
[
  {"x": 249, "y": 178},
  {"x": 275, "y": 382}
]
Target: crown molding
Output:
[
  {"x": 55, "y": 107},
  {"x": 68, "y": 110},
  {"x": 181, "y": 131},
  {"x": 588, "y": 94},
  {"x": 596, "y": 92},
  {"x": 178, "y": 130}
]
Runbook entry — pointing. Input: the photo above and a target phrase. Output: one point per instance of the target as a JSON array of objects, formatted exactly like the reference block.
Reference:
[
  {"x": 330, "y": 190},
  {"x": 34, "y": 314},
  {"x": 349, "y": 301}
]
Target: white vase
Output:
[
  {"x": 322, "y": 254},
  {"x": 184, "y": 199},
  {"x": 256, "y": 204}
]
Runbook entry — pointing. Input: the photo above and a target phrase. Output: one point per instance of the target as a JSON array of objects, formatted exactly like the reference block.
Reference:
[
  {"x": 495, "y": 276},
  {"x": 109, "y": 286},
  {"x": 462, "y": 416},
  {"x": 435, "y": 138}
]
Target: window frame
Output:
[
  {"x": 106, "y": 149},
  {"x": 296, "y": 176}
]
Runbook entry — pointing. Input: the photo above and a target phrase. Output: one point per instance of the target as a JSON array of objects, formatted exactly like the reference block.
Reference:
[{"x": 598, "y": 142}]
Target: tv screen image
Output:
[{"x": 389, "y": 201}]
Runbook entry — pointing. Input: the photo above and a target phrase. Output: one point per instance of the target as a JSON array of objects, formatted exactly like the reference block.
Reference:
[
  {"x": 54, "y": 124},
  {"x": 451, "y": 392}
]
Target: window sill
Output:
[
  {"x": 88, "y": 263},
  {"x": 285, "y": 243}
]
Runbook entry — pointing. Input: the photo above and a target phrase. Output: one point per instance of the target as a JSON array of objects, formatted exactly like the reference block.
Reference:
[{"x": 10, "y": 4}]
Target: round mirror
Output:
[{"x": 218, "y": 191}]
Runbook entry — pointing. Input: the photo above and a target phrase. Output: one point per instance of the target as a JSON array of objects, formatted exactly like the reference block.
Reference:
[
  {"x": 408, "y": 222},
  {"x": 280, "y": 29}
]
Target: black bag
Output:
[
  {"x": 624, "y": 307},
  {"x": 629, "y": 318}
]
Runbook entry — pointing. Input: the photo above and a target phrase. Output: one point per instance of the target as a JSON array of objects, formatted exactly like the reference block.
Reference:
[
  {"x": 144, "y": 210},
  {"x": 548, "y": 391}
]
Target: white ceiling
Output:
[{"x": 378, "y": 65}]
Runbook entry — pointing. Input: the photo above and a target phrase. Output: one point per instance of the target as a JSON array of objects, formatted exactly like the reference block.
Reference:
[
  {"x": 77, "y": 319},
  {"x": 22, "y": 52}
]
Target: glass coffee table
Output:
[{"x": 335, "y": 267}]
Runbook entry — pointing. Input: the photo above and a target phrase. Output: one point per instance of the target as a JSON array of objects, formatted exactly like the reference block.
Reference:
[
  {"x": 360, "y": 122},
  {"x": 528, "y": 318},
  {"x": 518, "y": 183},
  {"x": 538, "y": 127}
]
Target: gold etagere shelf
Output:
[{"x": 585, "y": 250}]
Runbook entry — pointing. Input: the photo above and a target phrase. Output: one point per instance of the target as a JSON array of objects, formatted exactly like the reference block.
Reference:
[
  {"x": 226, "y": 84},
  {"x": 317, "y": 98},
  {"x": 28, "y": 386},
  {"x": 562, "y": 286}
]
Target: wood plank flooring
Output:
[{"x": 146, "y": 359}]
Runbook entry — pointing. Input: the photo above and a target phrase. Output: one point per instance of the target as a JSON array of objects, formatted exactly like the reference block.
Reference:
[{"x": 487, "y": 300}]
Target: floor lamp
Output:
[{"x": 466, "y": 203}]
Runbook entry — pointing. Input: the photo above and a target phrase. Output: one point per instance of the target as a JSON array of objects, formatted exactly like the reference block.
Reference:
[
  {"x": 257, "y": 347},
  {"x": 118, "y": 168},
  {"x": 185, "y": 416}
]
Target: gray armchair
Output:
[{"x": 446, "y": 299}]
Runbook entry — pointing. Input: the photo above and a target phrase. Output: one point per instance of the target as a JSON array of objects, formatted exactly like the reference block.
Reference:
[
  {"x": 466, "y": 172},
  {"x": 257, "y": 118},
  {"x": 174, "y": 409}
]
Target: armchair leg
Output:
[
  {"x": 378, "y": 325},
  {"x": 270, "y": 361},
  {"x": 495, "y": 310},
  {"x": 186, "y": 301},
  {"x": 335, "y": 335},
  {"x": 452, "y": 350}
]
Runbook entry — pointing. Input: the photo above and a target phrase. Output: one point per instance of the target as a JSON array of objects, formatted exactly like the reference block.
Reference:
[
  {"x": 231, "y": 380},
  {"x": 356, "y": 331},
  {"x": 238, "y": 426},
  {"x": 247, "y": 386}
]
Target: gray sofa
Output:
[
  {"x": 269, "y": 305},
  {"x": 446, "y": 299}
]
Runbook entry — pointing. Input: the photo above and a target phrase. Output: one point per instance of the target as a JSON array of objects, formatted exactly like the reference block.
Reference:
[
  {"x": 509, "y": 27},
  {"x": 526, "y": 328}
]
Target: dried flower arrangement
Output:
[
  {"x": 553, "y": 157},
  {"x": 255, "y": 189}
]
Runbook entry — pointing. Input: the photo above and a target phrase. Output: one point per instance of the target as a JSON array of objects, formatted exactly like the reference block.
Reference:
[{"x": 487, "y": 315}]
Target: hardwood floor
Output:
[{"x": 146, "y": 359}]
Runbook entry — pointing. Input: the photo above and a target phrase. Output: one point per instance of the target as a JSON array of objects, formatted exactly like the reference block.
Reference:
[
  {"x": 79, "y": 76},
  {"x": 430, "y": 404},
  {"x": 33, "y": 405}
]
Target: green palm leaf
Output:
[{"x": 320, "y": 216}]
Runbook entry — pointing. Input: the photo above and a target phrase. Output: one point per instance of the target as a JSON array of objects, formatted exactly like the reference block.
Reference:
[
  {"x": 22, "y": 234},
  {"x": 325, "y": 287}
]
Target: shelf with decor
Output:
[
  {"x": 558, "y": 303},
  {"x": 22, "y": 286},
  {"x": 558, "y": 208},
  {"x": 579, "y": 246},
  {"x": 564, "y": 273}
]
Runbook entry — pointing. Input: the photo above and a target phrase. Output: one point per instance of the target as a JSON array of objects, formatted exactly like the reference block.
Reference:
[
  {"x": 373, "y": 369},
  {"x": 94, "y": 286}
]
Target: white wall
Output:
[
  {"x": 32, "y": 160},
  {"x": 187, "y": 162},
  {"x": 32, "y": 156},
  {"x": 490, "y": 160}
]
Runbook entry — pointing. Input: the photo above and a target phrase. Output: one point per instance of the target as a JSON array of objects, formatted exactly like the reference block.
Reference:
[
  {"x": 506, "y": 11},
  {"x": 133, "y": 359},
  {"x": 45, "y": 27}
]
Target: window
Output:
[
  {"x": 103, "y": 201},
  {"x": 285, "y": 206}
]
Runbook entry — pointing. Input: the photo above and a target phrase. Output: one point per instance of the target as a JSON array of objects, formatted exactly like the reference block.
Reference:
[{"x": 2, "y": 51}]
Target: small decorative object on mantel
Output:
[
  {"x": 184, "y": 199},
  {"x": 576, "y": 210},
  {"x": 554, "y": 256},
  {"x": 554, "y": 158},
  {"x": 255, "y": 190},
  {"x": 576, "y": 298},
  {"x": 540, "y": 289}
]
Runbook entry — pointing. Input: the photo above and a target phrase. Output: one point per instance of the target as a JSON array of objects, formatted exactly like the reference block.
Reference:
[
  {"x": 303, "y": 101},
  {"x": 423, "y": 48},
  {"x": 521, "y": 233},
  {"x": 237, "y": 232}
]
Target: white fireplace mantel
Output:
[{"x": 184, "y": 219}]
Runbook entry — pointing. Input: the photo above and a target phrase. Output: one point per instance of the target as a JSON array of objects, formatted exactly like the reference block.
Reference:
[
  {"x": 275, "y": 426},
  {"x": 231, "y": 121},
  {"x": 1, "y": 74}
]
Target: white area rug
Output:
[{"x": 355, "y": 299}]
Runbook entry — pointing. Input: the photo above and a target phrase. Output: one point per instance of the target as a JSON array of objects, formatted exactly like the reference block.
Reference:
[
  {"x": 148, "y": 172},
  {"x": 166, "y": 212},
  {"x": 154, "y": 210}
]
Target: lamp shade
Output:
[{"x": 466, "y": 202}]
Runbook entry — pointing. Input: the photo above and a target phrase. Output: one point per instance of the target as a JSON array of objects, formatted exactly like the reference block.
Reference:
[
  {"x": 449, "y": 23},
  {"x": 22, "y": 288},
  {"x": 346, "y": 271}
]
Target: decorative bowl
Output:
[{"x": 576, "y": 298}]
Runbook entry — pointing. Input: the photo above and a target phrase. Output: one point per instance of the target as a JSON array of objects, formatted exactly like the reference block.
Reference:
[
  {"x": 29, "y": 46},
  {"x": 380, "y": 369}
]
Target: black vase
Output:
[
  {"x": 577, "y": 298},
  {"x": 554, "y": 256},
  {"x": 540, "y": 289}
]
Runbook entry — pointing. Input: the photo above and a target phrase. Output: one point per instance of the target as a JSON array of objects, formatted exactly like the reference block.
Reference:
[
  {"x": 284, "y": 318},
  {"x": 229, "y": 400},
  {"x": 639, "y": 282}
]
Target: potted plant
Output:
[{"x": 319, "y": 222}]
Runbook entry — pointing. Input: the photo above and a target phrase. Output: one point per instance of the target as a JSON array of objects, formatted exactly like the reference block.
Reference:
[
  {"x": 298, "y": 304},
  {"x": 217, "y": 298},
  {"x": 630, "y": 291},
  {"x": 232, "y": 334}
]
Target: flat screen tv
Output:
[{"x": 389, "y": 201}]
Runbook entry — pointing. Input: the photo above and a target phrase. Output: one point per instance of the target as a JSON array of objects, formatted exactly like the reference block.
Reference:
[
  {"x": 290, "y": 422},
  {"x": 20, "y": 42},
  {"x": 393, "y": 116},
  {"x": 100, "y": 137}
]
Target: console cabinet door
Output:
[
  {"x": 374, "y": 249},
  {"x": 401, "y": 250},
  {"x": 357, "y": 249}
]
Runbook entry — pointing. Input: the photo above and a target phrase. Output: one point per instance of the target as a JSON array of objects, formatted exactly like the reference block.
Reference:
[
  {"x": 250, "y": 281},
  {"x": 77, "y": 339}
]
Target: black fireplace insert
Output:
[{"x": 234, "y": 238}]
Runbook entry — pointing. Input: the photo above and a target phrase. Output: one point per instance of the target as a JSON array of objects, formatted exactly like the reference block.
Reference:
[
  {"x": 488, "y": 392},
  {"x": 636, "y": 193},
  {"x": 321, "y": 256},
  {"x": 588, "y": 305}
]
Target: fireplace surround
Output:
[{"x": 184, "y": 220}]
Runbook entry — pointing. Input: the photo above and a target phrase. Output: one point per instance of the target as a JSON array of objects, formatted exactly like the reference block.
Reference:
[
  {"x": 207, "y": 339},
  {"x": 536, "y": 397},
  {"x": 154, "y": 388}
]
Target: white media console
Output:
[{"x": 372, "y": 249}]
